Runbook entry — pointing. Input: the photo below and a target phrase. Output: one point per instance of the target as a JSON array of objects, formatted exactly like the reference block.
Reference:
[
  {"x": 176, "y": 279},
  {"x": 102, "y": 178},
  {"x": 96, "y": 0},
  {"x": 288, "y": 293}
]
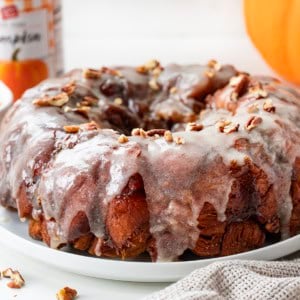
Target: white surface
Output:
[
  {"x": 6, "y": 99},
  {"x": 14, "y": 235},
  {"x": 43, "y": 281},
  {"x": 104, "y": 32}
]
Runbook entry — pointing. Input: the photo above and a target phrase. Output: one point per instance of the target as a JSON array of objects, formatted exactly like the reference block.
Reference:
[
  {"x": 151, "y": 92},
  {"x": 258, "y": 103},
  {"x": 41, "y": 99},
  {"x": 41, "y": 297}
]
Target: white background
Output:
[{"x": 105, "y": 32}]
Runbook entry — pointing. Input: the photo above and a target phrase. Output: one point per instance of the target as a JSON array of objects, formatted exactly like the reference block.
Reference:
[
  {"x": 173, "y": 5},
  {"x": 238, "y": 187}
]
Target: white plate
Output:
[{"x": 14, "y": 234}]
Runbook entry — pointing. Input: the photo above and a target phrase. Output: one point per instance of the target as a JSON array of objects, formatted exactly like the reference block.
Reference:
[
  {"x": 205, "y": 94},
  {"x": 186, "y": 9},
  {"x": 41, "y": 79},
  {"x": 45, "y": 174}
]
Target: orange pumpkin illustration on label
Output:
[
  {"x": 30, "y": 43},
  {"x": 22, "y": 75}
]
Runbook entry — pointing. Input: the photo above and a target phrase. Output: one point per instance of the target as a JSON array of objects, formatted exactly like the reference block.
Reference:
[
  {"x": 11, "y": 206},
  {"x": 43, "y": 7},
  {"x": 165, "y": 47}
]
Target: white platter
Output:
[{"x": 14, "y": 234}]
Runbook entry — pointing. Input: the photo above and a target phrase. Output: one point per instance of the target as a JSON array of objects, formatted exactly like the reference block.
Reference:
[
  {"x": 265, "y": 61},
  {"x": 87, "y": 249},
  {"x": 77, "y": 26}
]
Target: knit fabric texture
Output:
[{"x": 258, "y": 280}]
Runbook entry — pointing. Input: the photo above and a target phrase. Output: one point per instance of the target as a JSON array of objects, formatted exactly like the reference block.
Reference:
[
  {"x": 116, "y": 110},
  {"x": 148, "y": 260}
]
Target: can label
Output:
[
  {"x": 27, "y": 32},
  {"x": 30, "y": 40}
]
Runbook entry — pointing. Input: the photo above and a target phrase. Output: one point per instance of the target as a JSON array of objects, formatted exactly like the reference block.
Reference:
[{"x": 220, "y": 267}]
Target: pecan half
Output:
[
  {"x": 253, "y": 122},
  {"x": 17, "y": 279},
  {"x": 57, "y": 100},
  {"x": 66, "y": 294}
]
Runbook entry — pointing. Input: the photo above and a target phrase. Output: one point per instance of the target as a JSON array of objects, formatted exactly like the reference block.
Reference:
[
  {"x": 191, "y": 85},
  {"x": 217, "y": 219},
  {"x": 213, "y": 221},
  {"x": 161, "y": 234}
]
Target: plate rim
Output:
[{"x": 144, "y": 271}]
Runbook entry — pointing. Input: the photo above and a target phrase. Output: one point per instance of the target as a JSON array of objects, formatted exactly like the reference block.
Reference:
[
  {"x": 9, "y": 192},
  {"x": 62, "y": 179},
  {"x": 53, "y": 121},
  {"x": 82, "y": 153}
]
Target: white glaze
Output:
[{"x": 175, "y": 176}]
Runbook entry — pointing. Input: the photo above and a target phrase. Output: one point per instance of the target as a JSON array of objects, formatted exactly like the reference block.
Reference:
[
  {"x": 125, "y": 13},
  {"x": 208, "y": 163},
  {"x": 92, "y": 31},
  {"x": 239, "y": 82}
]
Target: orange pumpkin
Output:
[
  {"x": 22, "y": 75},
  {"x": 274, "y": 27}
]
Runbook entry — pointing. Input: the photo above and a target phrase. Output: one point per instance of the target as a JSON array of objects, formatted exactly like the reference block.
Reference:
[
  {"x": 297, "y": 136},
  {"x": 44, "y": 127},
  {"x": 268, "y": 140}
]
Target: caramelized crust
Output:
[
  {"x": 295, "y": 194},
  {"x": 35, "y": 229},
  {"x": 241, "y": 237}
]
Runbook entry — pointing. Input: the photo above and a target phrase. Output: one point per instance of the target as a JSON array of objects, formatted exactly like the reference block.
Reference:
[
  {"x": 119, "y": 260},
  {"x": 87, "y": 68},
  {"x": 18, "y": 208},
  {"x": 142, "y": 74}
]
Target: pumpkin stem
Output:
[{"x": 14, "y": 56}]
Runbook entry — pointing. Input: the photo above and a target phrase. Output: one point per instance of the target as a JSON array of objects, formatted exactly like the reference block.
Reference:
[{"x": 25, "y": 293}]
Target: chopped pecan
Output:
[
  {"x": 228, "y": 127},
  {"x": 239, "y": 84},
  {"x": 17, "y": 279},
  {"x": 157, "y": 71},
  {"x": 83, "y": 110},
  {"x": 89, "y": 100},
  {"x": 268, "y": 106},
  {"x": 66, "y": 294},
  {"x": 222, "y": 124},
  {"x": 118, "y": 101},
  {"x": 92, "y": 74},
  {"x": 173, "y": 90},
  {"x": 152, "y": 65},
  {"x": 253, "y": 108},
  {"x": 71, "y": 128},
  {"x": 258, "y": 92},
  {"x": 57, "y": 100},
  {"x": 156, "y": 132},
  {"x": 154, "y": 85},
  {"x": 111, "y": 71},
  {"x": 231, "y": 128},
  {"x": 90, "y": 126},
  {"x": 209, "y": 73},
  {"x": 85, "y": 126},
  {"x": 193, "y": 127},
  {"x": 168, "y": 136},
  {"x": 141, "y": 70},
  {"x": 123, "y": 139},
  {"x": 214, "y": 64},
  {"x": 68, "y": 109},
  {"x": 179, "y": 140},
  {"x": 253, "y": 122},
  {"x": 138, "y": 132},
  {"x": 234, "y": 96},
  {"x": 69, "y": 88}
]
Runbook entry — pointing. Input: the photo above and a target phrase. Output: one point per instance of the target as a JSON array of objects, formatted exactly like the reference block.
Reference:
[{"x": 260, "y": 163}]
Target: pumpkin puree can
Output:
[{"x": 30, "y": 42}]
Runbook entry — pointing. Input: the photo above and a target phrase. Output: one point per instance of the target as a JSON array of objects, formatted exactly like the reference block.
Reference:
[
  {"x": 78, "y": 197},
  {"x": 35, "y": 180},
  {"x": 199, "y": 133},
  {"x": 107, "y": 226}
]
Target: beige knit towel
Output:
[{"x": 258, "y": 280}]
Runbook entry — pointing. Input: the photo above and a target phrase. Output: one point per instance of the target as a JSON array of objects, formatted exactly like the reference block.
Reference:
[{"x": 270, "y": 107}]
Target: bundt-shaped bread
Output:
[{"x": 126, "y": 160}]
